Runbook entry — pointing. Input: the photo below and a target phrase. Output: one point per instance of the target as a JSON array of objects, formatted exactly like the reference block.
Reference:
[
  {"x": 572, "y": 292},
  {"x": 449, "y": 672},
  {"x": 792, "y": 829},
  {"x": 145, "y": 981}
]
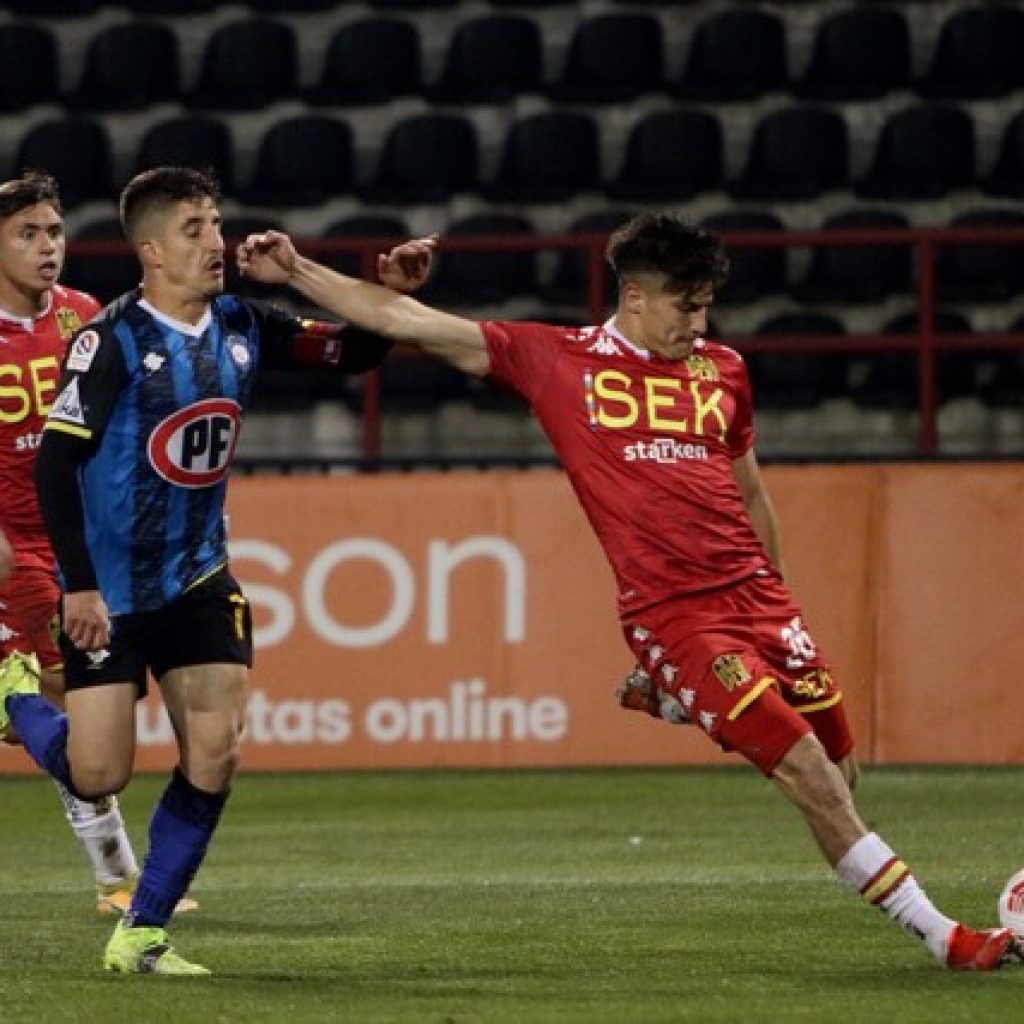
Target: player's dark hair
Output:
[
  {"x": 163, "y": 187},
  {"x": 662, "y": 243},
  {"x": 30, "y": 188}
]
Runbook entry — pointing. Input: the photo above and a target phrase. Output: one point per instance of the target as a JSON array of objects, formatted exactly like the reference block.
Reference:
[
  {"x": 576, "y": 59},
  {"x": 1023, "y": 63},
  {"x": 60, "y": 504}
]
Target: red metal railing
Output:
[{"x": 926, "y": 343}]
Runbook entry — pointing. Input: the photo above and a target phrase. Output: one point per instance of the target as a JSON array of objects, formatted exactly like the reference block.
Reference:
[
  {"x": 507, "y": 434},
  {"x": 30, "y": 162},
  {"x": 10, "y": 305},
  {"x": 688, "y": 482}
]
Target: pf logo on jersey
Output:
[{"x": 194, "y": 446}]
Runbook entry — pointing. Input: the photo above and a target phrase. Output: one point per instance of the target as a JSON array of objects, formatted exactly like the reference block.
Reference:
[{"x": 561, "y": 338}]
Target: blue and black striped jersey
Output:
[{"x": 160, "y": 404}]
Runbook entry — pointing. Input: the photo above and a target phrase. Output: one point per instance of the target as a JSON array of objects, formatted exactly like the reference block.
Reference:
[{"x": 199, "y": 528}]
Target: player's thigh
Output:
[{"x": 101, "y": 734}]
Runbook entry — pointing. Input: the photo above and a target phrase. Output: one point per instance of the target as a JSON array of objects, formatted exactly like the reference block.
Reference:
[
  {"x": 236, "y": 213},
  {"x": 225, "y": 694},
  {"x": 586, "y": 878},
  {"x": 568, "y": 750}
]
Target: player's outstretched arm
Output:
[{"x": 271, "y": 258}]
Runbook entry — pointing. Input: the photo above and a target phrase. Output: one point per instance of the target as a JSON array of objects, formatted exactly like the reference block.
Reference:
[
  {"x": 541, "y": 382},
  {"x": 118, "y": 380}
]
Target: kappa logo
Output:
[
  {"x": 669, "y": 673},
  {"x": 707, "y": 721},
  {"x": 83, "y": 351},
  {"x": 6, "y": 633},
  {"x": 605, "y": 347},
  {"x": 68, "y": 406},
  {"x": 655, "y": 654},
  {"x": 194, "y": 446},
  {"x": 687, "y": 697}
]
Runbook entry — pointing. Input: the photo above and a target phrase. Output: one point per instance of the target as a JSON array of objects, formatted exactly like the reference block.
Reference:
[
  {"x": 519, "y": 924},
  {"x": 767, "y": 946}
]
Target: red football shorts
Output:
[
  {"x": 29, "y": 601},
  {"x": 743, "y": 666}
]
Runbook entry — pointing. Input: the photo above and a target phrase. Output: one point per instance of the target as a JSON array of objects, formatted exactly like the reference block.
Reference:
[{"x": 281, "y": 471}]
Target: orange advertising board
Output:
[{"x": 468, "y": 619}]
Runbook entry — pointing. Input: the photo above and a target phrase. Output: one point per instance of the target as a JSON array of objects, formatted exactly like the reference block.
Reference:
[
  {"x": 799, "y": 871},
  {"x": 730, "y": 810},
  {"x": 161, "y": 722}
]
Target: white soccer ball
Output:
[{"x": 1011, "y": 905}]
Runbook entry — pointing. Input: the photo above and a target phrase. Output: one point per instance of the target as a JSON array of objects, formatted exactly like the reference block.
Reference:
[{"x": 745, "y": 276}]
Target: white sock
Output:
[
  {"x": 872, "y": 869},
  {"x": 100, "y": 829}
]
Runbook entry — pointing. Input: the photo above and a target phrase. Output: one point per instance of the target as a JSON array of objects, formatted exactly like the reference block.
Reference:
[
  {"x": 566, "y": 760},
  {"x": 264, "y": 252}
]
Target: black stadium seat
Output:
[
  {"x": 671, "y": 155},
  {"x": 734, "y": 55},
  {"x": 104, "y": 277},
  {"x": 979, "y": 54},
  {"x": 796, "y": 153},
  {"x": 361, "y": 226},
  {"x": 303, "y": 160},
  {"x": 754, "y": 272},
  {"x": 200, "y": 142},
  {"x": 129, "y": 66},
  {"x": 426, "y": 158},
  {"x": 983, "y": 272},
  {"x": 77, "y": 152},
  {"x": 571, "y": 279},
  {"x": 782, "y": 380},
  {"x": 612, "y": 58},
  {"x": 490, "y": 60},
  {"x": 247, "y": 64},
  {"x": 859, "y": 53},
  {"x": 476, "y": 277},
  {"x": 1007, "y": 177},
  {"x": 922, "y": 153},
  {"x": 371, "y": 60},
  {"x": 548, "y": 157},
  {"x": 29, "y": 70},
  {"x": 861, "y": 273}
]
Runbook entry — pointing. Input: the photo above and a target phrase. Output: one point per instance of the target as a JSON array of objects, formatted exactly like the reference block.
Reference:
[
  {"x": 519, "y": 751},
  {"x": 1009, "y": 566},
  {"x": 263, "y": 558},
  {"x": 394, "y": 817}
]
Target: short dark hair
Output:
[
  {"x": 663, "y": 243},
  {"x": 30, "y": 188},
  {"x": 164, "y": 187}
]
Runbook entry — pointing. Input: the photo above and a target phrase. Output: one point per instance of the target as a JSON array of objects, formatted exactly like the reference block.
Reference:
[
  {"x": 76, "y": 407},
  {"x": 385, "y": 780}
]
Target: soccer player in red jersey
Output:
[
  {"x": 653, "y": 425},
  {"x": 37, "y": 318}
]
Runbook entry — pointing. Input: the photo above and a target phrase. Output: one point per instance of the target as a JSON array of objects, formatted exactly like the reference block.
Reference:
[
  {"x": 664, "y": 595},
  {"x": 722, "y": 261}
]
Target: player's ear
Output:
[
  {"x": 632, "y": 297},
  {"x": 150, "y": 253}
]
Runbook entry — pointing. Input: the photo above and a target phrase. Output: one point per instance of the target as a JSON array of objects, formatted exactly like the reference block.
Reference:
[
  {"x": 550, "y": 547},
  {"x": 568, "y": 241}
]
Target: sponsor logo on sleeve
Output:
[
  {"x": 83, "y": 351},
  {"x": 68, "y": 407}
]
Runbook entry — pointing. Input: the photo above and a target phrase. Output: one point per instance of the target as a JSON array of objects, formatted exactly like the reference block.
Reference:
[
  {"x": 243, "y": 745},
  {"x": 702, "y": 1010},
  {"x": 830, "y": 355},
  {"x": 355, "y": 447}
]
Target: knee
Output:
[
  {"x": 214, "y": 762},
  {"x": 93, "y": 782}
]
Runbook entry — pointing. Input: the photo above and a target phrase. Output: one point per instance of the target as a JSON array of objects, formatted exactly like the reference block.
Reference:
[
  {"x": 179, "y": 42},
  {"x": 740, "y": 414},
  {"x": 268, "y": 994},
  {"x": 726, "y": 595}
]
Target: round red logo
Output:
[{"x": 194, "y": 446}]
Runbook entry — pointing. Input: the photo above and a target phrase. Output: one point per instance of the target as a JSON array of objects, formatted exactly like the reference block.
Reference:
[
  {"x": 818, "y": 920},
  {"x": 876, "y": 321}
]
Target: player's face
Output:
[
  {"x": 668, "y": 323},
  {"x": 32, "y": 251},
  {"x": 192, "y": 250}
]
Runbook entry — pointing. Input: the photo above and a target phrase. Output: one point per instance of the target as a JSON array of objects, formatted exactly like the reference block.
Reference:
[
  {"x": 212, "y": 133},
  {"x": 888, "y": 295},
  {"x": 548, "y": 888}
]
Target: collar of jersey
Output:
[
  {"x": 193, "y": 330},
  {"x": 26, "y": 322},
  {"x": 641, "y": 353}
]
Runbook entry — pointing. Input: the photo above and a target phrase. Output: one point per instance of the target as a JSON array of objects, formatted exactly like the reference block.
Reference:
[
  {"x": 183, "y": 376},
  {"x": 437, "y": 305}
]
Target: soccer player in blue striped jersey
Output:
[{"x": 131, "y": 475}]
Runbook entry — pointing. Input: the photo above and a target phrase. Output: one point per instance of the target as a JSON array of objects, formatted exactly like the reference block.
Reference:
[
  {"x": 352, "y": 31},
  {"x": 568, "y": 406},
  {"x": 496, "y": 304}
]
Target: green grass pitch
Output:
[{"x": 624, "y": 896}]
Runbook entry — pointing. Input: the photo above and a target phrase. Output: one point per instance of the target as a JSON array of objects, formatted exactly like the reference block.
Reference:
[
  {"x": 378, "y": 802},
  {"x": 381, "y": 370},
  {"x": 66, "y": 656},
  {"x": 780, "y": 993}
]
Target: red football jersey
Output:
[
  {"x": 648, "y": 445},
  {"x": 31, "y": 352}
]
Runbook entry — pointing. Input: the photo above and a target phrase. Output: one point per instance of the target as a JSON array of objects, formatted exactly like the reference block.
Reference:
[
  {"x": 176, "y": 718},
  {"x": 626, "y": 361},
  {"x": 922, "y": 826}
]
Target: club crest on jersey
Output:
[
  {"x": 702, "y": 367},
  {"x": 731, "y": 671},
  {"x": 194, "y": 446},
  {"x": 68, "y": 321},
  {"x": 83, "y": 351},
  {"x": 238, "y": 349}
]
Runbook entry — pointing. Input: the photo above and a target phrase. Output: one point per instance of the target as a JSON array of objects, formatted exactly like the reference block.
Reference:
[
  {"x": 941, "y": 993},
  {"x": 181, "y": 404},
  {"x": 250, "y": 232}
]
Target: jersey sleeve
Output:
[
  {"x": 521, "y": 355},
  {"x": 740, "y": 436},
  {"x": 289, "y": 342},
  {"x": 94, "y": 374}
]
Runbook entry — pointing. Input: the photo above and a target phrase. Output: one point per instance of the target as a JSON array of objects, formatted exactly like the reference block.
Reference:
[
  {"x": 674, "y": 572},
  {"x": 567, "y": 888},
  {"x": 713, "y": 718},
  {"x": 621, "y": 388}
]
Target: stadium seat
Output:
[
  {"x": 29, "y": 70},
  {"x": 796, "y": 153},
  {"x": 426, "y": 158},
  {"x": 1004, "y": 385},
  {"x": 200, "y": 142},
  {"x": 491, "y": 59},
  {"x": 862, "y": 273},
  {"x": 1007, "y": 177},
  {"x": 418, "y": 384},
  {"x": 129, "y": 66},
  {"x": 291, "y": 6},
  {"x": 979, "y": 54},
  {"x": 570, "y": 283},
  {"x": 303, "y": 160},
  {"x": 612, "y": 58},
  {"x": 547, "y": 157},
  {"x": 754, "y": 272},
  {"x": 179, "y": 7},
  {"x": 246, "y": 65},
  {"x": 77, "y": 152},
  {"x": 671, "y": 155},
  {"x": 891, "y": 381},
  {"x": 413, "y": 5},
  {"x": 859, "y": 53},
  {"x": 371, "y": 60},
  {"x": 361, "y": 226},
  {"x": 105, "y": 277},
  {"x": 734, "y": 55},
  {"x": 783, "y": 380},
  {"x": 981, "y": 272},
  {"x": 923, "y": 152},
  {"x": 478, "y": 277}
]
